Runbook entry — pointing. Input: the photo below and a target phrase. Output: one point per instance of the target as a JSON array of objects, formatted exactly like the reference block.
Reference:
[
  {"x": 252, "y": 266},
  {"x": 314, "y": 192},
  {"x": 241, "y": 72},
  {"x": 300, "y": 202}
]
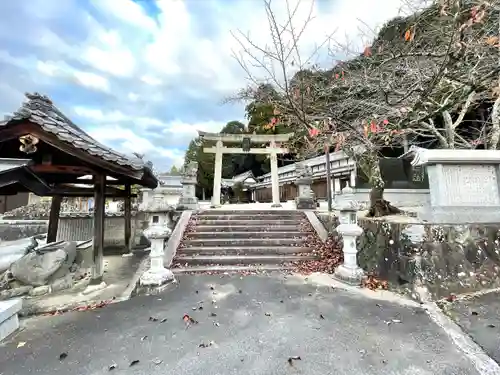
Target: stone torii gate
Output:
[{"x": 245, "y": 140}]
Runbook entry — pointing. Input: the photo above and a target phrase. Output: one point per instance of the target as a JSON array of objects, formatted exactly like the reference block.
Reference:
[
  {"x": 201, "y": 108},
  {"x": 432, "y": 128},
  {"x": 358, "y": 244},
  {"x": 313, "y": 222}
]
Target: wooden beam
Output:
[
  {"x": 254, "y": 138},
  {"x": 259, "y": 151},
  {"x": 98, "y": 243},
  {"x": 63, "y": 169},
  {"x": 128, "y": 218},
  {"x": 55, "y": 210}
]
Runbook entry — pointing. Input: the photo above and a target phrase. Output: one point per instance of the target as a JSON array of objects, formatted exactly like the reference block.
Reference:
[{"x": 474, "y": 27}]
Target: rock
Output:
[
  {"x": 62, "y": 283},
  {"x": 65, "y": 268},
  {"x": 14, "y": 250},
  {"x": 81, "y": 284},
  {"x": 15, "y": 292},
  {"x": 40, "y": 290},
  {"x": 37, "y": 268},
  {"x": 94, "y": 288}
]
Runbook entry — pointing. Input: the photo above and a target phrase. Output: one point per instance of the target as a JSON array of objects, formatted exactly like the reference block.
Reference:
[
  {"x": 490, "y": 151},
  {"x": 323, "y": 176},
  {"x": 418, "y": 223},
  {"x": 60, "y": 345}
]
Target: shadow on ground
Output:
[{"x": 250, "y": 325}]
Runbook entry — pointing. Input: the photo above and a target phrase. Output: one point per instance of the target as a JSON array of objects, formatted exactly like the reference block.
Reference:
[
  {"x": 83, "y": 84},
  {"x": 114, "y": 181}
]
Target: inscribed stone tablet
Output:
[{"x": 469, "y": 185}]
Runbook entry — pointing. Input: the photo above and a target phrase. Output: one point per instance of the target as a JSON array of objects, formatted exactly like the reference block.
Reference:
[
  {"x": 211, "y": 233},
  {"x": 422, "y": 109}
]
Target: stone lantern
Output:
[
  {"x": 305, "y": 196},
  {"x": 188, "y": 200},
  {"x": 160, "y": 214},
  {"x": 349, "y": 229}
]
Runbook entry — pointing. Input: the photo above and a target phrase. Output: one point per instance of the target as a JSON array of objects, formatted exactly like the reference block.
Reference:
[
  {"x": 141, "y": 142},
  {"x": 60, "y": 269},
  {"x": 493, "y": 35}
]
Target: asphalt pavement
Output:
[{"x": 264, "y": 324}]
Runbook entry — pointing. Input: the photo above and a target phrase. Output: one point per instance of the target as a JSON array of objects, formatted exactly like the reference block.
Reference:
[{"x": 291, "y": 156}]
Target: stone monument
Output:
[
  {"x": 349, "y": 229},
  {"x": 188, "y": 200},
  {"x": 157, "y": 232},
  {"x": 464, "y": 185},
  {"x": 305, "y": 198}
]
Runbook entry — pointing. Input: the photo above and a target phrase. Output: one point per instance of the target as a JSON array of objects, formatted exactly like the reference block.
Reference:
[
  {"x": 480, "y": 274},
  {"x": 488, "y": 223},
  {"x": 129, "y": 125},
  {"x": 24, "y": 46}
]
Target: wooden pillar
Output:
[
  {"x": 128, "y": 217},
  {"x": 55, "y": 210},
  {"x": 98, "y": 243}
]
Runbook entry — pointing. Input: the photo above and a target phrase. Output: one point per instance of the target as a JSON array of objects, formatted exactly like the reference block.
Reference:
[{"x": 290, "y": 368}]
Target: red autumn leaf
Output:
[
  {"x": 386, "y": 122},
  {"x": 274, "y": 120},
  {"x": 367, "y": 52},
  {"x": 313, "y": 132},
  {"x": 336, "y": 76},
  {"x": 373, "y": 127}
]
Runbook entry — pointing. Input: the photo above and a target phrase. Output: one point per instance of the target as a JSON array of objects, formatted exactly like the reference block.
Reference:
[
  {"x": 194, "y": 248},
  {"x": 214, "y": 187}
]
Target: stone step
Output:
[
  {"x": 243, "y": 235},
  {"x": 259, "y": 222},
  {"x": 230, "y": 268},
  {"x": 243, "y": 250},
  {"x": 247, "y": 216},
  {"x": 210, "y": 242},
  {"x": 250, "y": 212},
  {"x": 247, "y": 228},
  {"x": 240, "y": 259}
]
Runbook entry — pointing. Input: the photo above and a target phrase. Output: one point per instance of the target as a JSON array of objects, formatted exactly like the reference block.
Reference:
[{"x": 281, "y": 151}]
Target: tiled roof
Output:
[{"x": 39, "y": 109}]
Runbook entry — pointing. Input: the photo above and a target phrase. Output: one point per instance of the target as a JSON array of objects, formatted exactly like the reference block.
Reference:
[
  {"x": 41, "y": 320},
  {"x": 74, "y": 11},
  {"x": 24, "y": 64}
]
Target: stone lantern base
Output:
[
  {"x": 187, "y": 203},
  {"x": 305, "y": 199},
  {"x": 156, "y": 277},
  {"x": 305, "y": 203},
  {"x": 351, "y": 276}
]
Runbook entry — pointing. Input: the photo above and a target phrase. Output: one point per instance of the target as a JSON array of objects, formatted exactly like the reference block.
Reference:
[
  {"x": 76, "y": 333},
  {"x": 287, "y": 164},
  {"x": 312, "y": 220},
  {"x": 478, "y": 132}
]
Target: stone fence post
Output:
[{"x": 349, "y": 229}]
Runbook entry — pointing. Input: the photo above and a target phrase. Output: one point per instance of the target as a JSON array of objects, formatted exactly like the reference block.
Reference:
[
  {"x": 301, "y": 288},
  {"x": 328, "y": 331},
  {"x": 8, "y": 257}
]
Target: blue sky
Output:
[{"x": 144, "y": 75}]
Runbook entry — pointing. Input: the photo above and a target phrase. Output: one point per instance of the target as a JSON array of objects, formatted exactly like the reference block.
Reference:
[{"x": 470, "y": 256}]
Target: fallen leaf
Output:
[
  {"x": 144, "y": 338},
  {"x": 20, "y": 344},
  {"x": 217, "y": 324},
  {"x": 212, "y": 314},
  {"x": 134, "y": 362},
  {"x": 491, "y": 326},
  {"x": 294, "y": 358},
  {"x": 163, "y": 320},
  {"x": 157, "y": 361},
  {"x": 474, "y": 313},
  {"x": 321, "y": 316},
  {"x": 113, "y": 366},
  {"x": 396, "y": 321},
  {"x": 62, "y": 356},
  {"x": 153, "y": 319},
  {"x": 267, "y": 314},
  {"x": 451, "y": 298}
]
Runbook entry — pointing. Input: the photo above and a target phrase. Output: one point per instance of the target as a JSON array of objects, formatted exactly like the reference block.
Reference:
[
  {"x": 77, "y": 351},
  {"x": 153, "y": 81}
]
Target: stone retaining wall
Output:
[
  {"x": 11, "y": 230},
  {"x": 445, "y": 259}
]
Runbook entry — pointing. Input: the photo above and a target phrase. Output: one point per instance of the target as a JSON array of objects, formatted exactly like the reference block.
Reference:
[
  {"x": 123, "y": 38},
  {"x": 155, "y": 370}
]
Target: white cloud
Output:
[
  {"x": 98, "y": 115},
  {"x": 176, "y": 64}
]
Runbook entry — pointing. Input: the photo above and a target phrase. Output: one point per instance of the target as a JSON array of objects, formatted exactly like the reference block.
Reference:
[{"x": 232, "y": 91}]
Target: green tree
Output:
[{"x": 174, "y": 171}]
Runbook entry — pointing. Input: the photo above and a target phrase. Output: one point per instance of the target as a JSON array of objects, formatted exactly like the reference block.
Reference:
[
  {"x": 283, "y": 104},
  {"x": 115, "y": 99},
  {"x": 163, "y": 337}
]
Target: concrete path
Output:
[
  {"x": 480, "y": 318},
  {"x": 246, "y": 325}
]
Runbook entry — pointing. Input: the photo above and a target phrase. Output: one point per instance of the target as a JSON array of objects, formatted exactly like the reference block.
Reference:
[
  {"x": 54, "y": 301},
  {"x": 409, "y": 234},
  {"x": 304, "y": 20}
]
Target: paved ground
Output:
[
  {"x": 260, "y": 322},
  {"x": 480, "y": 318}
]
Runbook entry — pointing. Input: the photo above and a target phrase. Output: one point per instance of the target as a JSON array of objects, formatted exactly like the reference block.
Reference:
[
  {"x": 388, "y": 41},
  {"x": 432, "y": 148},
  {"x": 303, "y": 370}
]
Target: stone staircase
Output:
[{"x": 218, "y": 241}]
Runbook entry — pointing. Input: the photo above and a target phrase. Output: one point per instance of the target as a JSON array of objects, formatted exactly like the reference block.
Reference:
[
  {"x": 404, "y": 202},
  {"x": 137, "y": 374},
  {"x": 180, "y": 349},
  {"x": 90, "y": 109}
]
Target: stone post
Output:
[
  {"x": 217, "y": 175},
  {"x": 305, "y": 198},
  {"x": 275, "y": 184},
  {"x": 188, "y": 200},
  {"x": 157, "y": 232},
  {"x": 349, "y": 229}
]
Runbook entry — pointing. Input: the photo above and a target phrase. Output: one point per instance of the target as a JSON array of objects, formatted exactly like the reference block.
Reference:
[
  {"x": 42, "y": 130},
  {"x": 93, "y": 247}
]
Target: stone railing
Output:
[{"x": 11, "y": 230}]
